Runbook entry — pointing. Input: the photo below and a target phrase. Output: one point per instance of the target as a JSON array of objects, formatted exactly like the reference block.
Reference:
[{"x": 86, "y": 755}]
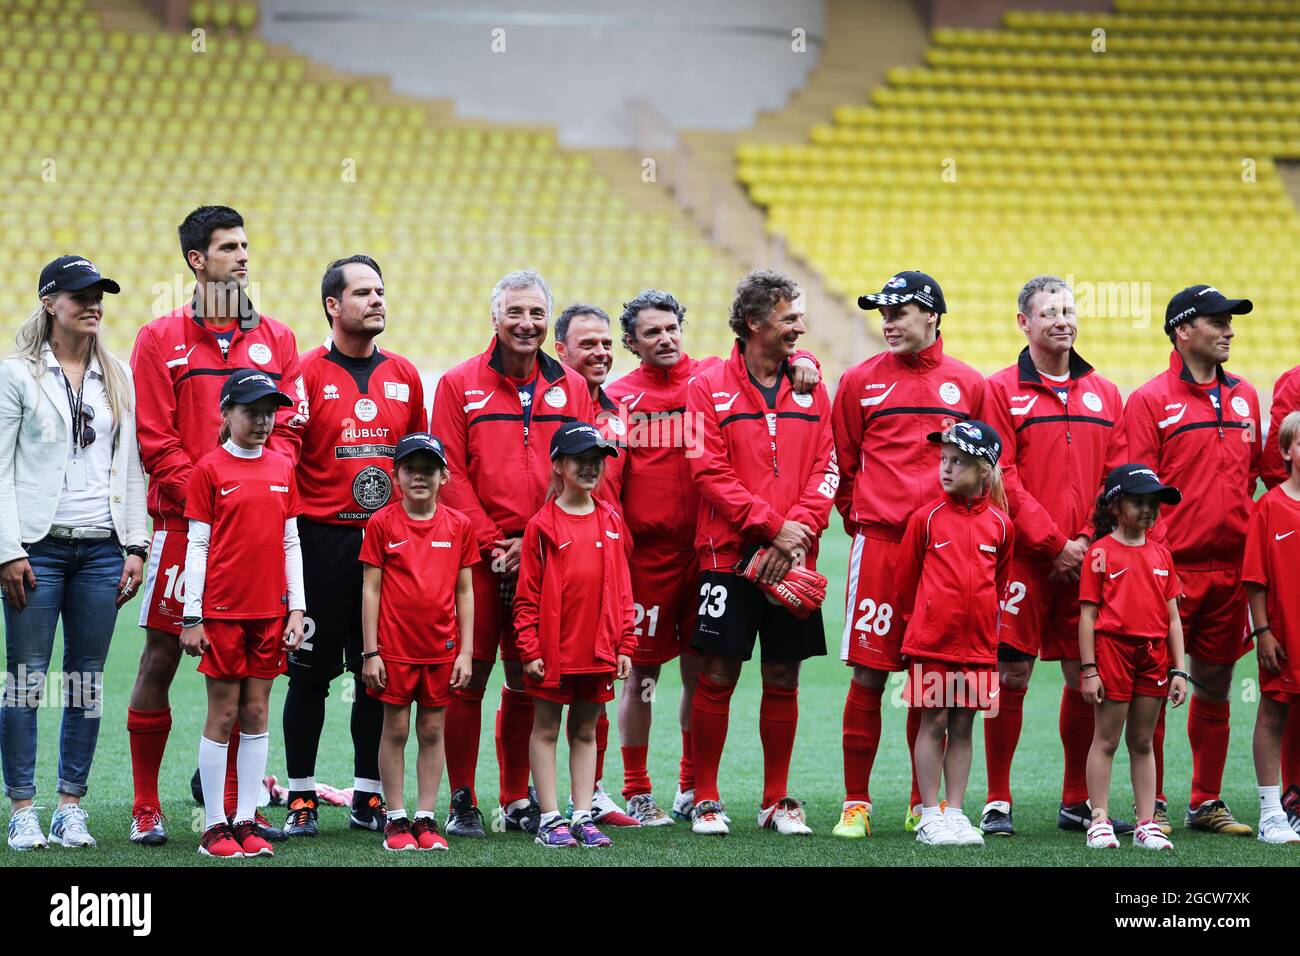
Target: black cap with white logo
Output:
[
  {"x": 417, "y": 442},
  {"x": 72, "y": 274},
  {"x": 573, "y": 438},
  {"x": 1201, "y": 300},
  {"x": 907, "y": 287},
  {"x": 1138, "y": 479},
  {"x": 974, "y": 438},
  {"x": 247, "y": 385}
]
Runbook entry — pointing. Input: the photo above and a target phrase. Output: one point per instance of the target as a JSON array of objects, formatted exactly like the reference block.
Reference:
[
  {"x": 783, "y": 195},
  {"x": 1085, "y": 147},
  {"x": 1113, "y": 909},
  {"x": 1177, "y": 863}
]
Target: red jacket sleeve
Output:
[
  {"x": 528, "y": 596},
  {"x": 449, "y": 425},
  {"x": 818, "y": 496},
  {"x": 1143, "y": 444},
  {"x": 1256, "y": 454},
  {"x": 1002, "y": 573},
  {"x": 627, "y": 635},
  {"x": 290, "y": 422},
  {"x": 907, "y": 571},
  {"x": 1116, "y": 455},
  {"x": 846, "y": 424},
  {"x": 162, "y": 454},
  {"x": 718, "y": 482},
  {"x": 1036, "y": 529},
  {"x": 1286, "y": 399}
]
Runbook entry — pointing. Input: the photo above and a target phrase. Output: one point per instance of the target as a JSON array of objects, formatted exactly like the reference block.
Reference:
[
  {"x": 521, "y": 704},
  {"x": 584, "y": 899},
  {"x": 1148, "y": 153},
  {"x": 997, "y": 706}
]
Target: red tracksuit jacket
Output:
[
  {"x": 1210, "y": 455},
  {"x": 614, "y": 429},
  {"x": 757, "y": 467},
  {"x": 179, "y": 371},
  {"x": 1054, "y": 456},
  {"x": 499, "y": 471},
  {"x": 951, "y": 575},
  {"x": 884, "y": 408},
  {"x": 1286, "y": 399},
  {"x": 539, "y": 595}
]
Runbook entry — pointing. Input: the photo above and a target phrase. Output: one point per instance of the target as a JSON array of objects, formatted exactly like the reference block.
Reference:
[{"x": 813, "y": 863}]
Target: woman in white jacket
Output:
[{"x": 73, "y": 534}]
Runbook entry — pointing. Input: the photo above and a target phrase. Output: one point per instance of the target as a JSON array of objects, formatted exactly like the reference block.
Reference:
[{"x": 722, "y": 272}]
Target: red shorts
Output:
[
  {"x": 666, "y": 589},
  {"x": 575, "y": 689},
  {"x": 943, "y": 684},
  {"x": 873, "y": 636},
  {"x": 1040, "y": 616},
  {"x": 164, "y": 583},
  {"x": 1132, "y": 666},
  {"x": 494, "y": 624},
  {"x": 239, "y": 649},
  {"x": 428, "y": 685},
  {"x": 1213, "y": 610},
  {"x": 1283, "y": 687}
]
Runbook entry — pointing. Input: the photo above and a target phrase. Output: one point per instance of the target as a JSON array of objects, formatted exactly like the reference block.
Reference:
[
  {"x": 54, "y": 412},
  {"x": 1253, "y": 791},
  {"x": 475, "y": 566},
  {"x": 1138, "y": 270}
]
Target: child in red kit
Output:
[
  {"x": 575, "y": 624},
  {"x": 417, "y": 629},
  {"x": 243, "y": 575},
  {"x": 951, "y": 575},
  {"x": 1129, "y": 633}
]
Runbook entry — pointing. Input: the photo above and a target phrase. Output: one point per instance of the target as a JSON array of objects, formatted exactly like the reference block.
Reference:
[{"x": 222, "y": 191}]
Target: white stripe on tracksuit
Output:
[
  {"x": 855, "y": 563},
  {"x": 151, "y": 574}
]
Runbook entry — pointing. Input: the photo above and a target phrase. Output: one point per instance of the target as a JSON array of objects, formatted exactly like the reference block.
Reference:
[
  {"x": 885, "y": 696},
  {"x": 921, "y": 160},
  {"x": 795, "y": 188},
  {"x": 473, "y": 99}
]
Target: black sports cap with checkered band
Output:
[
  {"x": 974, "y": 438},
  {"x": 72, "y": 274},
  {"x": 1201, "y": 299},
  {"x": 1138, "y": 479},
  {"x": 416, "y": 442},
  {"x": 907, "y": 287}
]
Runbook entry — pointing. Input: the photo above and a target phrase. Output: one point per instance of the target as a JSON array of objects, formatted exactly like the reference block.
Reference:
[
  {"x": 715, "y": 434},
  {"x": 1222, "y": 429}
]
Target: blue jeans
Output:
[{"x": 78, "y": 580}]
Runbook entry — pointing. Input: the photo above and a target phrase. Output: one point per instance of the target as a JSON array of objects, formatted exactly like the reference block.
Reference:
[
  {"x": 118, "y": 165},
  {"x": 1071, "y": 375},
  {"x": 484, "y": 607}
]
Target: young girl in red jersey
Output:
[
  {"x": 952, "y": 571},
  {"x": 1129, "y": 634},
  {"x": 1271, "y": 573},
  {"x": 243, "y": 575},
  {"x": 417, "y": 629},
  {"x": 575, "y": 625}
]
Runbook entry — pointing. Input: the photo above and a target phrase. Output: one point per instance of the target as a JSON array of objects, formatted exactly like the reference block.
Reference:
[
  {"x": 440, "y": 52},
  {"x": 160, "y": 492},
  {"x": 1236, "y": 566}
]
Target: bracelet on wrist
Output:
[
  {"x": 138, "y": 551},
  {"x": 191, "y": 621},
  {"x": 1260, "y": 630},
  {"x": 366, "y": 655},
  {"x": 1175, "y": 672},
  {"x": 1089, "y": 664}
]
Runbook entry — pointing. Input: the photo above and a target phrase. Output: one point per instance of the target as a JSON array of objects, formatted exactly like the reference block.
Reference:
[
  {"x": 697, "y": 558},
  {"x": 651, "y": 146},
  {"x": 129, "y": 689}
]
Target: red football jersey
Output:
[
  {"x": 584, "y": 590},
  {"x": 1132, "y": 584},
  {"x": 421, "y": 561},
  {"x": 1273, "y": 561},
  {"x": 246, "y": 501},
  {"x": 360, "y": 408}
]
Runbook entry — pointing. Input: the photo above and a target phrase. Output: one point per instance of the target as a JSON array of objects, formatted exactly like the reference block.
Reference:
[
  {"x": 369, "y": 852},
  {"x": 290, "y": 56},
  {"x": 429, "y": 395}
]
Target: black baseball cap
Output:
[
  {"x": 974, "y": 438},
  {"x": 573, "y": 438},
  {"x": 1138, "y": 479},
  {"x": 247, "y": 385},
  {"x": 417, "y": 442},
  {"x": 907, "y": 287},
  {"x": 1201, "y": 300},
  {"x": 71, "y": 274}
]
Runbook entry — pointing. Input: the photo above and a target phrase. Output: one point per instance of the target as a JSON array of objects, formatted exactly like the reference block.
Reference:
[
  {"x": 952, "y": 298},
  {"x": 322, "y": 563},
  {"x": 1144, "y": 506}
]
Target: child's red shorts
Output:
[
  {"x": 428, "y": 685},
  {"x": 239, "y": 649},
  {"x": 1132, "y": 666},
  {"x": 944, "y": 684},
  {"x": 575, "y": 689}
]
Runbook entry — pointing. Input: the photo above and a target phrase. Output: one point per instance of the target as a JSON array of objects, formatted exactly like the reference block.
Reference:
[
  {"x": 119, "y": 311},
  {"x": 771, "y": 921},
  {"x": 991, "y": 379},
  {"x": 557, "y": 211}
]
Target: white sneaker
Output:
[
  {"x": 25, "y": 830},
  {"x": 935, "y": 832},
  {"x": 786, "y": 817},
  {"x": 1149, "y": 837},
  {"x": 684, "y": 804},
  {"x": 606, "y": 812},
  {"x": 708, "y": 819},
  {"x": 962, "y": 830},
  {"x": 645, "y": 811},
  {"x": 1275, "y": 829},
  {"x": 68, "y": 828},
  {"x": 1101, "y": 836}
]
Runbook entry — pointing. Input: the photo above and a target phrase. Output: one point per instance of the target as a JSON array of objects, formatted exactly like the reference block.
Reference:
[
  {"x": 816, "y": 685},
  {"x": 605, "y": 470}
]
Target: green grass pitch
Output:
[{"x": 816, "y": 777}]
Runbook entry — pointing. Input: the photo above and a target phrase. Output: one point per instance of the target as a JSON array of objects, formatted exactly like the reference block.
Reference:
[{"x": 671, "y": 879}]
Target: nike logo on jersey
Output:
[
  {"x": 226, "y": 491},
  {"x": 1172, "y": 419},
  {"x": 1279, "y": 537},
  {"x": 1024, "y": 409},
  {"x": 1118, "y": 573},
  {"x": 942, "y": 544},
  {"x": 474, "y": 406},
  {"x": 994, "y": 693},
  {"x": 726, "y": 406},
  {"x": 397, "y": 544},
  {"x": 1162, "y": 683},
  {"x": 565, "y": 545},
  {"x": 633, "y": 405},
  {"x": 877, "y": 399}
]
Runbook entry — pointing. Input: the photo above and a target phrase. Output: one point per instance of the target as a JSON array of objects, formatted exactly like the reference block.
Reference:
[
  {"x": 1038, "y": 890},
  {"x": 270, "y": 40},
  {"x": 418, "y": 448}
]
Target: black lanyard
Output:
[{"x": 76, "y": 406}]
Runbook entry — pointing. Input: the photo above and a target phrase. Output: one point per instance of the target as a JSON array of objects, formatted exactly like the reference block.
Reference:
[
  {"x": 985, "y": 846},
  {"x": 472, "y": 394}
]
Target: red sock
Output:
[
  {"x": 861, "y": 739},
  {"x": 602, "y": 744},
  {"x": 778, "y": 719},
  {"x": 1001, "y": 735},
  {"x": 686, "y": 770},
  {"x": 1158, "y": 749},
  {"x": 710, "y": 709},
  {"x": 913, "y": 730},
  {"x": 230, "y": 797},
  {"x": 148, "y": 731},
  {"x": 1291, "y": 749},
  {"x": 514, "y": 727},
  {"x": 461, "y": 729},
  {"x": 1076, "y": 724},
  {"x": 635, "y": 777},
  {"x": 1207, "y": 732}
]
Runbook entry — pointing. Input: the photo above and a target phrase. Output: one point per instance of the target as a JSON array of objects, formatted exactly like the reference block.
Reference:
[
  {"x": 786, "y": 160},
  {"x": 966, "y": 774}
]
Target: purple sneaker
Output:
[
  {"x": 557, "y": 834},
  {"x": 588, "y": 835}
]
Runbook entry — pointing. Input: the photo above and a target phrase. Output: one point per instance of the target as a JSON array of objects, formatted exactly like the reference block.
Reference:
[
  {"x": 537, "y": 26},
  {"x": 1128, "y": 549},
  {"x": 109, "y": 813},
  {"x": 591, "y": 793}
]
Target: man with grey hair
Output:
[
  {"x": 1058, "y": 419},
  {"x": 495, "y": 414}
]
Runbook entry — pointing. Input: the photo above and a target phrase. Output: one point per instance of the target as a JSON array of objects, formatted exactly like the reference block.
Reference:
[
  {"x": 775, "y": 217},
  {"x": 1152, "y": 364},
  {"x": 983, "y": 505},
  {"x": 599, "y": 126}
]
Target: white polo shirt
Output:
[{"x": 86, "y": 507}]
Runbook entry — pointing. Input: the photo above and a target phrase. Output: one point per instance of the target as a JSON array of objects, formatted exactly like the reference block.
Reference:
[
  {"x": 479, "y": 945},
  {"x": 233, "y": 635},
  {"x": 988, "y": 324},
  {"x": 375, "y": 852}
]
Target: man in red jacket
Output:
[
  {"x": 1199, "y": 428},
  {"x": 884, "y": 408},
  {"x": 1059, "y": 421},
  {"x": 363, "y": 399},
  {"x": 767, "y": 477},
  {"x": 180, "y": 362},
  {"x": 495, "y": 414}
]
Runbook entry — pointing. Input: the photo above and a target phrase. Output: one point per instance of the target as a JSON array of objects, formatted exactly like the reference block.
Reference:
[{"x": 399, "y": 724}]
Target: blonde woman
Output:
[{"x": 72, "y": 534}]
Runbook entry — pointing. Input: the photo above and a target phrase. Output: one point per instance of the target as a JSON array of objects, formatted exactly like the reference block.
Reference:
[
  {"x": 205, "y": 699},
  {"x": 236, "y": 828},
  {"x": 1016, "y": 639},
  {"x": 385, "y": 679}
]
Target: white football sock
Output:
[
  {"x": 1270, "y": 802},
  {"x": 250, "y": 763},
  {"x": 212, "y": 774},
  {"x": 929, "y": 814},
  {"x": 302, "y": 784},
  {"x": 367, "y": 785},
  {"x": 399, "y": 814}
]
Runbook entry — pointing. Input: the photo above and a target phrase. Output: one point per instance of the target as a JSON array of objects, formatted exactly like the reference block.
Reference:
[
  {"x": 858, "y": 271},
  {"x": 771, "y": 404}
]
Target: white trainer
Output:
[
  {"x": 708, "y": 819},
  {"x": 68, "y": 828},
  {"x": 1101, "y": 836},
  {"x": 25, "y": 830},
  {"x": 786, "y": 817},
  {"x": 684, "y": 804},
  {"x": 645, "y": 811},
  {"x": 935, "y": 832},
  {"x": 1148, "y": 836},
  {"x": 1275, "y": 829},
  {"x": 960, "y": 825}
]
